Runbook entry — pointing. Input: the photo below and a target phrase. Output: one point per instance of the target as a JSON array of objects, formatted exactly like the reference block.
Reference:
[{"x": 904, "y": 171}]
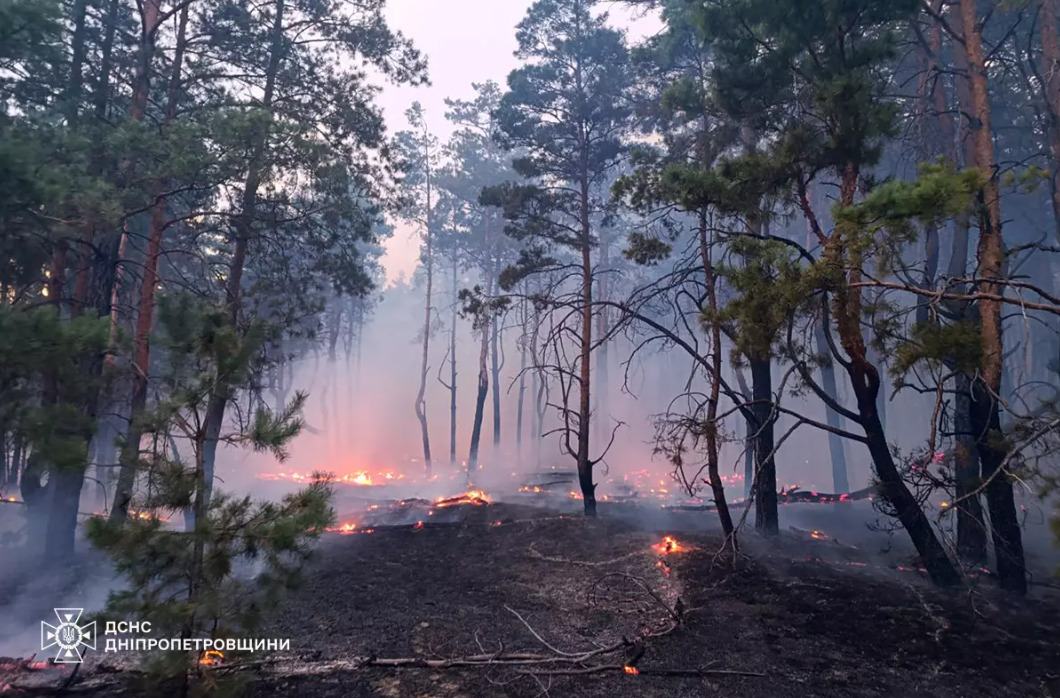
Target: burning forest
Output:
[{"x": 530, "y": 348}]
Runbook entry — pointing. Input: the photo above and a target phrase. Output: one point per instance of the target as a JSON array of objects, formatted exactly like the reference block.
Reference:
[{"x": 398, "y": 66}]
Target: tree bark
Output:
[
  {"x": 483, "y": 391},
  {"x": 717, "y": 487},
  {"x": 971, "y": 529},
  {"x": 585, "y": 466},
  {"x": 243, "y": 225},
  {"x": 1047, "y": 24},
  {"x": 836, "y": 446},
  {"x": 452, "y": 366},
  {"x": 767, "y": 520},
  {"x": 142, "y": 353},
  {"x": 421, "y": 400},
  {"x": 1004, "y": 522},
  {"x": 865, "y": 383},
  {"x": 522, "y": 383},
  {"x": 495, "y": 369}
]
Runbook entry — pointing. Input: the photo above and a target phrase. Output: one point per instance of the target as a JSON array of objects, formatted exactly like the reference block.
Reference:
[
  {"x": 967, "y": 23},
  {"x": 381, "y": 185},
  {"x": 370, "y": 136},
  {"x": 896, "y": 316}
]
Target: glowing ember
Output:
[
  {"x": 630, "y": 669},
  {"x": 575, "y": 495},
  {"x": 945, "y": 505},
  {"x": 418, "y": 526},
  {"x": 212, "y": 658},
  {"x": 344, "y": 529},
  {"x": 667, "y": 546},
  {"x": 477, "y": 497},
  {"x": 818, "y": 535},
  {"x": 531, "y": 488}
]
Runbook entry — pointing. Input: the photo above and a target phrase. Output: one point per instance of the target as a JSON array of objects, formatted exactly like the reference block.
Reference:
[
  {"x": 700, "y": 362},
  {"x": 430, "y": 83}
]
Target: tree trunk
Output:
[
  {"x": 421, "y": 400},
  {"x": 766, "y": 517},
  {"x": 243, "y": 225},
  {"x": 1004, "y": 522},
  {"x": 522, "y": 384},
  {"x": 749, "y": 430},
  {"x": 717, "y": 487},
  {"x": 865, "y": 383},
  {"x": 585, "y": 466},
  {"x": 836, "y": 445},
  {"x": 480, "y": 397},
  {"x": 452, "y": 365},
  {"x": 601, "y": 416},
  {"x": 971, "y": 529},
  {"x": 495, "y": 369},
  {"x": 130, "y": 456},
  {"x": 1047, "y": 24}
]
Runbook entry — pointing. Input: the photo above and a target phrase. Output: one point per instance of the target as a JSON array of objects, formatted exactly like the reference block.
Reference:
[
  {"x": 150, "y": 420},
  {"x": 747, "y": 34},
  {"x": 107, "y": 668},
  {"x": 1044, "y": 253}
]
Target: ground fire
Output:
[
  {"x": 476, "y": 497},
  {"x": 212, "y": 658},
  {"x": 668, "y": 545}
]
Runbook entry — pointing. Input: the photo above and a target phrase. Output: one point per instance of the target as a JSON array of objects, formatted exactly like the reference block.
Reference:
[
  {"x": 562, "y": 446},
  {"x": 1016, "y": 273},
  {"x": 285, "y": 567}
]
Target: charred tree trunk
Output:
[
  {"x": 766, "y": 517},
  {"x": 986, "y": 389},
  {"x": 865, "y": 383},
  {"x": 585, "y": 465},
  {"x": 749, "y": 430}
]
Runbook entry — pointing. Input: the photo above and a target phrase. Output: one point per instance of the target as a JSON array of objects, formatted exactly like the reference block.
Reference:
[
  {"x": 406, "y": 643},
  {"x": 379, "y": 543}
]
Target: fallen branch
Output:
[{"x": 534, "y": 553}]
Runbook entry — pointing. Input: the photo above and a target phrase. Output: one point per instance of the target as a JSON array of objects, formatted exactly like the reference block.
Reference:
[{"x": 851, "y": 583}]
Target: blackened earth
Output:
[{"x": 815, "y": 618}]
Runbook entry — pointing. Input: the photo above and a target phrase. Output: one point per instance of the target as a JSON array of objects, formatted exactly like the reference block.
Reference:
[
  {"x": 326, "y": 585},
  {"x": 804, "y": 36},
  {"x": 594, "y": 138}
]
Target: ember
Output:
[
  {"x": 818, "y": 535},
  {"x": 418, "y": 526},
  {"x": 348, "y": 527},
  {"x": 667, "y": 546},
  {"x": 212, "y": 658},
  {"x": 476, "y": 497},
  {"x": 630, "y": 669}
]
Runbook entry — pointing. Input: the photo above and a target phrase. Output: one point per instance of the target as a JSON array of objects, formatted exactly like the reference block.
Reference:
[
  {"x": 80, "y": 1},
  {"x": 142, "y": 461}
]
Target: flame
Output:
[
  {"x": 345, "y": 528},
  {"x": 212, "y": 658},
  {"x": 630, "y": 669},
  {"x": 668, "y": 545},
  {"x": 945, "y": 505},
  {"x": 477, "y": 497},
  {"x": 418, "y": 526},
  {"x": 575, "y": 495},
  {"x": 530, "y": 488},
  {"x": 818, "y": 535}
]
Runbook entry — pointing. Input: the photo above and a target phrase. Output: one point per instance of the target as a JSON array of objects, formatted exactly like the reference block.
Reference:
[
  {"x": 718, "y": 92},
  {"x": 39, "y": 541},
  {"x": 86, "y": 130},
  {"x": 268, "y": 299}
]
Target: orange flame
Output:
[
  {"x": 630, "y": 669},
  {"x": 346, "y": 528},
  {"x": 477, "y": 497},
  {"x": 668, "y": 545},
  {"x": 818, "y": 535},
  {"x": 212, "y": 658}
]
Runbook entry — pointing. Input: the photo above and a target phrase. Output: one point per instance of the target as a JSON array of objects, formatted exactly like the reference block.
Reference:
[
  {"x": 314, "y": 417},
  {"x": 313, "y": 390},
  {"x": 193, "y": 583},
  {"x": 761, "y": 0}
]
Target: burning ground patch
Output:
[{"x": 488, "y": 578}]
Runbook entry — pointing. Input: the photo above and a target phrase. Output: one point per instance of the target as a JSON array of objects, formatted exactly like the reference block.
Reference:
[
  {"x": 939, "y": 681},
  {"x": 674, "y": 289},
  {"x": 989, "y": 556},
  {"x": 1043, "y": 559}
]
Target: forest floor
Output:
[{"x": 803, "y": 616}]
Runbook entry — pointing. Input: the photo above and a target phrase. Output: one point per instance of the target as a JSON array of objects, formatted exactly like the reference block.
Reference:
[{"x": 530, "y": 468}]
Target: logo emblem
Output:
[{"x": 68, "y": 637}]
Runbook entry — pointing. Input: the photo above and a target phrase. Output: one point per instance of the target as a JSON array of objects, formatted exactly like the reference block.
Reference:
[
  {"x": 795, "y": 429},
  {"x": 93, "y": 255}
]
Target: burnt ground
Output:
[{"x": 846, "y": 627}]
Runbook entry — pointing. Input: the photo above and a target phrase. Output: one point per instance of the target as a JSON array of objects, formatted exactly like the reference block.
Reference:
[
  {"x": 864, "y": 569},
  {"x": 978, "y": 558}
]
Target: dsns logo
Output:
[{"x": 68, "y": 637}]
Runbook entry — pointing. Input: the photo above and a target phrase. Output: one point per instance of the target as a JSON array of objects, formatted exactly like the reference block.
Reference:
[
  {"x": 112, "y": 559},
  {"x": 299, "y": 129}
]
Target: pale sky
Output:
[{"x": 465, "y": 41}]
